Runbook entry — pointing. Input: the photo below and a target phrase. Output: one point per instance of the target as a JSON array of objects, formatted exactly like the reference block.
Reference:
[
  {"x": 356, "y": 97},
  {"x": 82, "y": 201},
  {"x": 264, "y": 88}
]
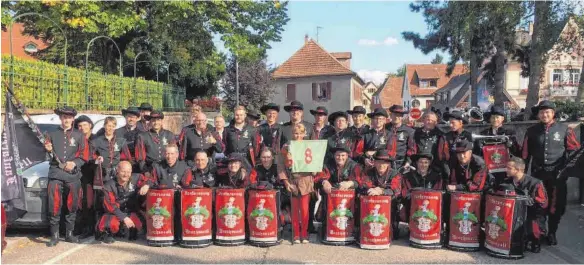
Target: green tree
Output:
[
  {"x": 437, "y": 60},
  {"x": 255, "y": 84}
]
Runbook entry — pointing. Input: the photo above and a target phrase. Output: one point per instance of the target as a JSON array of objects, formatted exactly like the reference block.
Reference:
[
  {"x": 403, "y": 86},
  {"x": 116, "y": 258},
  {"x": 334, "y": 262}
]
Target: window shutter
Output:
[
  {"x": 314, "y": 91},
  {"x": 328, "y": 89},
  {"x": 291, "y": 92}
]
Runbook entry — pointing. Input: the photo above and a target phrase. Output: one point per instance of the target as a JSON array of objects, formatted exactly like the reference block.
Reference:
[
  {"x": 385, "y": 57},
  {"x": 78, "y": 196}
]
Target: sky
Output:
[{"x": 371, "y": 31}]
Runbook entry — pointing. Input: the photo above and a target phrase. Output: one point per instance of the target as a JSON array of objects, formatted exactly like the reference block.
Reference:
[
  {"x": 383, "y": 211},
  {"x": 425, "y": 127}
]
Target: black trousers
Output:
[
  {"x": 557, "y": 192},
  {"x": 63, "y": 193}
]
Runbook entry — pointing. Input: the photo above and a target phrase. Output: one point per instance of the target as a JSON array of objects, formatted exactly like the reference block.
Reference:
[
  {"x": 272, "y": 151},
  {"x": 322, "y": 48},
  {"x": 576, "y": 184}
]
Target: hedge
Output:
[{"x": 41, "y": 85}]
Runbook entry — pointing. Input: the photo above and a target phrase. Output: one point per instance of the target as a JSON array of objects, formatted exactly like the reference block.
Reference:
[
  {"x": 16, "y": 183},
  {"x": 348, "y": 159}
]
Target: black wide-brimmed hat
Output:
[
  {"x": 505, "y": 189},
  {"x": 337, "y": 114},
  {"x": 155, "y": 114},
  {"x": 253, "y": 115},
  {"x": 342, "y": 148},
  {"x": 131, "y": 110},
  {"x": 495, "y": 110},
  {"x": 544, "y": 104},
  {"x": 269, "y": 106},
  {"x": 234, "y": 157},
  {"x": 422, "y": 155},
  {"x": 66, "y": 110},
  {"x": 457, "y": 115},
  {"x": 294, "y": 105},
  {"x": 357, "y": 110},
  {"x": 80, "y": 119},
  {"x": 145, "y": 106},
  {"x": 398, "y": 109},
  {"x": 382, "y": 155},
  {"x": 463, "y": 146},
  {"x": 320, "y": 110},
  {"x": 378, "y": 112}
]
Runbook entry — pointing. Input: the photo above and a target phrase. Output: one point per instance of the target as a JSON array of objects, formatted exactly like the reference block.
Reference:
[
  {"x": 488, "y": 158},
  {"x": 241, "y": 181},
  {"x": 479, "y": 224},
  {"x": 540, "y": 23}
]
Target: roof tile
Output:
[{"x": 430, "y": 71}]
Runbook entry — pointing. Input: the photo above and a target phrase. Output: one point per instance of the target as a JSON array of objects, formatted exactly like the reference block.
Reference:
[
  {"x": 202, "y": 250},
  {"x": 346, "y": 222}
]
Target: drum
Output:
[
  {"x": 196, "y": 218},
  {"x": 426, "y": 218},
  {"x": 465, "y": 221},
  {"x": 160, "y": 217},
  {"x": 262, "y": 217},
  {"x": 339, "y": 222},
  {"x": 375, "y": 220},
  {"x": 229, "y": 219},
  {"x": 504, "y": 220},
  {"x": 496, "y": 157}
]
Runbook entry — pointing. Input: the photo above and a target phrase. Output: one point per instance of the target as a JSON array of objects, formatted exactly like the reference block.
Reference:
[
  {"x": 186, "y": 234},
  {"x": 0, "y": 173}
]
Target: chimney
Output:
[
  {"x": 530, "y": 28},
  {"x": 306, "y": 38}
]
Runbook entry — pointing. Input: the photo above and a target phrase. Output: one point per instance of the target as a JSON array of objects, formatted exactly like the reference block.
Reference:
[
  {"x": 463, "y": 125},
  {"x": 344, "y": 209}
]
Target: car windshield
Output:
[{"x": 45, "y": 128}]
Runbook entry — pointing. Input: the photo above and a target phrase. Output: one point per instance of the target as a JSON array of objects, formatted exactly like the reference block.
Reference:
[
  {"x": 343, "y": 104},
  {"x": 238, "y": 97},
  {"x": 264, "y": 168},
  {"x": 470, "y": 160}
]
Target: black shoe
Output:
[
  {"x": 535, "y": 246},
  {"x": 108, "y": 239},
  {"x": 54, "y": 240},
  {"x": 552, "y": 240},
  {"x": 87, "y": 232},
  {"x": 133, "y": 234},
  {"x": 71, "y": 238},
  {"x": 395, "y": 233}
]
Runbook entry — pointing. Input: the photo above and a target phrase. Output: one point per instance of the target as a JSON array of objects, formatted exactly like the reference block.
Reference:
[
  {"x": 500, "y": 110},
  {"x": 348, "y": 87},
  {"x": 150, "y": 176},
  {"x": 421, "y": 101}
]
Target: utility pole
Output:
[
  {"x": 236, "y": 81},
  {"x": 318, "y": 28}
]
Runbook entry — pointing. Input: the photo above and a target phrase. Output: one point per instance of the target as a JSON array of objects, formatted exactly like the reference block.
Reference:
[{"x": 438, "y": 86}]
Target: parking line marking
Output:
[{"x": 70, "y": 251}]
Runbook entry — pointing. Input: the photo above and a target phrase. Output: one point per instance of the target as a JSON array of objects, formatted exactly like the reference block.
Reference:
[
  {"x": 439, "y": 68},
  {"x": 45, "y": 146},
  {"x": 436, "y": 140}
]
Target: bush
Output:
[
  {"x": 572, "y": 109},
  {"x": 43, "y": 85}
]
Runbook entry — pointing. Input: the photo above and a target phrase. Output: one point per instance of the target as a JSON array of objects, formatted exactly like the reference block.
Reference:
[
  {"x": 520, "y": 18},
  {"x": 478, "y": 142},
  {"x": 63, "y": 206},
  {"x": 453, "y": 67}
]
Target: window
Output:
[
  {"x": 290, "y": 92},
  {"x": 365, "y": 102},
  {"x": 376, "y": 100},
  {"x": 557, "y": 77},
  {"x": 371, "y": 90},
  {"x": 30, "y": 47},
  {"x": 321, "y": 91},
  {"x": 429, "y": 103},
  {"x": 423, "y": 83},
  {"x": 574, "y": 77},
  {"x": 433, "y": 83}
]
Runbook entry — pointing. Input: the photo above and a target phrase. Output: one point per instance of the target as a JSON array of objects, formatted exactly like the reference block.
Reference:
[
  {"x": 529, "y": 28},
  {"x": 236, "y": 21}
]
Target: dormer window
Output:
[
  {"x": 427, "y": 83},
  {"x": 30, "y": 47}
]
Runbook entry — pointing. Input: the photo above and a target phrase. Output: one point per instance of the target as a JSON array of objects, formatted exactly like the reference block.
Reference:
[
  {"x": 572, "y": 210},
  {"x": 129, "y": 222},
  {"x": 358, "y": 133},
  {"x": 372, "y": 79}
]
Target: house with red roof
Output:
[
  {"x": 23, "y": 46},
  {"x": 317, "y": 77}
]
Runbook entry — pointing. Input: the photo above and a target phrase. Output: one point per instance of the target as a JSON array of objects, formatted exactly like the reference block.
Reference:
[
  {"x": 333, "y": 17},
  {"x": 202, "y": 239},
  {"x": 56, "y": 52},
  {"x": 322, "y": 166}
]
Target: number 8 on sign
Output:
[{"x": 308, "y": 156}]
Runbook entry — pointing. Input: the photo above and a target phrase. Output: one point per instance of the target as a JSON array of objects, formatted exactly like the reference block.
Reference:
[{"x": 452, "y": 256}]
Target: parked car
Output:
[{"x": 35, "y": 177}]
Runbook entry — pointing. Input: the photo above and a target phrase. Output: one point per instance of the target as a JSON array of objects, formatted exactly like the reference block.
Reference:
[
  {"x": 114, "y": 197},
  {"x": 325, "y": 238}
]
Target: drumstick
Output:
[{"x": 291, "y": 220}]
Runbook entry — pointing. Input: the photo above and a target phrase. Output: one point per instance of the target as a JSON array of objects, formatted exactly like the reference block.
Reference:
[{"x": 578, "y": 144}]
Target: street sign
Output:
[{"x": 415, "y": 113}]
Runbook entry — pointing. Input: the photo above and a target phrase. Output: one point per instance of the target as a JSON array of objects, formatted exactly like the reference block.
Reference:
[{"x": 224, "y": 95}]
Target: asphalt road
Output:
[{"x": 30, "y": 248}]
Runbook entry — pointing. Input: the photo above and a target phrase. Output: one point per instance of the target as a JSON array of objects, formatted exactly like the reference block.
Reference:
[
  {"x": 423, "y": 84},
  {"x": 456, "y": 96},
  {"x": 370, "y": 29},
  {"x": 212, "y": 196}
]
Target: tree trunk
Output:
[
  {"x": 580, "y": 85},
  {"x": 474, "y": 76},
  {"x": 499, "y": 71},
  {"x": 537, "y": 54}
]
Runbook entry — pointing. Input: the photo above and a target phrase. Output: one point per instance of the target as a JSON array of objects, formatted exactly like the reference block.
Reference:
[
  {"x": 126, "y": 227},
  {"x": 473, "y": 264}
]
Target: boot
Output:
[
  {"x": 133, "y": 234},
  {"x": 54, "y": 239},
  {"x": 395, "y": 232},
  {"x": 87, "y": 232},
  {"x": 70, "y": 237},
  {"x": 108, "y": 239},
  {"x": 535, "y": 246},
  {"x": 552, "y": 240}
]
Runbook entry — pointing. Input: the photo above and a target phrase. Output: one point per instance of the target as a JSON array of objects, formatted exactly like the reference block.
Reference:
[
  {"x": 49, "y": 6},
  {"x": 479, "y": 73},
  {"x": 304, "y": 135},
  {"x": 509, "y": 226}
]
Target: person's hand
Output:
[
  {"x": 345, "y": 185},
  {"x": 407, "y": 165},
  {"x": 327, "y": 187},
  {"x": 375, "y": 191},
  {"x": 292, "y": 189},
  {"x": 144, "y": 190},
  {"x": 69, "y": 165},
  {"x": 451, "y": 187},
  {"x": 210, "y": 139},
  {"x": 49, "y": 146},
  {"x": 369, "y": 162},
  {"x": 99, "y": 160},
  {"x": 128, "y": 222}
]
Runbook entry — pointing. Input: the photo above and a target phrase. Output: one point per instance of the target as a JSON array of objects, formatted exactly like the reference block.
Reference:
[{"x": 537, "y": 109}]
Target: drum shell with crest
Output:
[
  {"x": 229, "y": 217},
  {"x": 339, "y": 223},
  {"x": 464, "y": 227},
  {"x": 425, "y": 220},
  {"x": 160, "y": 217},
  {"x": 375, "y": 222},
  {"x": 504, "y": 225},
  {"x": 263, "y": 217},
  {"x": 196, "y": 217}
]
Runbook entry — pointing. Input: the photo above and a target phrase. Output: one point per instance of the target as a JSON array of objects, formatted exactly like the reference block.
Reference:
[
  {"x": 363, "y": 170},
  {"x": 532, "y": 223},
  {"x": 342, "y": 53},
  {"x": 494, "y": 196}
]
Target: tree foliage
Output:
[
  {"x": 437, "y": 59},
  {"x": 178, "y": 37},
  {"x": 255, "y": 84}
]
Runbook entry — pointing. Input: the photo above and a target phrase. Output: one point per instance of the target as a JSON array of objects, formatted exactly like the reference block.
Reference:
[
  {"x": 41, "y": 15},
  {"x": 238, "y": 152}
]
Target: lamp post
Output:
[{"x": 87, "y": 62}]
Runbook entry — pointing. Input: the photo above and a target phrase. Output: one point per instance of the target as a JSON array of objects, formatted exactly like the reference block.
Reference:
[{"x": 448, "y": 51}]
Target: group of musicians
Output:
[{"x": 106, "y": 175}]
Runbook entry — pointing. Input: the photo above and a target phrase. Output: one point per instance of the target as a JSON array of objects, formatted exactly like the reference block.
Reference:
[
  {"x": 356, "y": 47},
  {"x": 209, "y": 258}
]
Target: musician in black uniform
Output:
[
  {"x": 321, "y": 130},
  {"x": 446, "y": 146},
  {"x": 130, "y": 131},
  {"x": 577, "y": 170},
  {"x": 537, "y": 204},
  {"x": 496, "y": 117},
  {"x": 343, "y": 137},
  {"x": 402, "y": 135},
  {"x": 253, "y": 118},
  {"x": 359, "y": 127},
  {"x": 469, "y": 172},
  {"x": 549, "y": 145},
  {"x": 426, "y": 140},
  {"x": 204, "y": 174},
  {"x": 85, "y": 224},
  {"x": 237, "y": 175},
  {"x": 378, "y": 137},
  {"x": 296, "y": 111},
  {"x": 265, "y": 174},
  {"x": 145, "y": 110},
  {"x": 241, "y": 138},
  {"x": 151, "y": 145},
  {"x": 121, "y": 204},
  {"x": 271, "y": 132},
  {"x": 197, "y": 137},
  {"x": 68, "y": 151}
]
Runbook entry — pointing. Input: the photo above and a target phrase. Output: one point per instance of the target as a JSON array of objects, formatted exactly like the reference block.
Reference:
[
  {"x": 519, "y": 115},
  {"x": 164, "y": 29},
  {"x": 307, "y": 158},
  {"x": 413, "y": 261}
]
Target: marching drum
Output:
[
  {"x": 465, "y": 221},
  {"x": 230, "y": 222},
  {"x": 263, "y": 217},
  {"x": 375, "y": 217},
  {"x": 496, "y": 157},
  {"x": 426, "y": 218},
  {"x": 504, "y": 225},
  {"x": 196, "y": 217},
  {"x": 160, "y": 217},
  {"x": 339, "y": 222}
]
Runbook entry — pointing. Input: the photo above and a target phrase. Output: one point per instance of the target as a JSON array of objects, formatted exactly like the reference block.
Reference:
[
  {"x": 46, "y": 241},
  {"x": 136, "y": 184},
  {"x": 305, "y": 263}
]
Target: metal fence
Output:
[{"x": 42, "y": 85}]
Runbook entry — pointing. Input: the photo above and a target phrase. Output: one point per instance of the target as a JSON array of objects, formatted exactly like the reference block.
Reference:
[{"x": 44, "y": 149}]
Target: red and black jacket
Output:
[
  {"x": 549, "y": 146},
  {"x": 151, "y": 147},
  {"x": 426, "y": 142},
  {"x": 200, "y": 178},
  {"x": 446, "y": 144},
  {"x": 245, "y": 141},
  {"x": 361, "y": 131},
  {"x": 515, "y": 149},
  {"x": 70, "y": 145},
  {"x": 121, "y": 201},
  {"x": 390, "y": 182},
  {"x": 190, "y": 140},
  {"x": 265, "y": 177},
  {"x": 335, "y": 175},
  {"x": 166, "y": 176},
  {"x": 377, "y": 140},
  {"x": 237, "y": 181},
  {"x": 345, "y": 138},
  {"x": 414, "y": 179},
  {"x": 270, "y": 136},
  {"x": 471, "y": 177},
  {"x": 323, "y": 133},
  {"x": 130, "y": 136},
  {"x": 403, "y": 136},
  {"x": 533, "y": 188},
  {"x": 113, "y": 150}
]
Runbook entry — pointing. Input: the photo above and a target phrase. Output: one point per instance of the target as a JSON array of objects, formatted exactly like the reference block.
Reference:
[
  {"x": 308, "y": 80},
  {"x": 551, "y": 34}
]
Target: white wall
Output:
[{"x": 341, "y": 94}]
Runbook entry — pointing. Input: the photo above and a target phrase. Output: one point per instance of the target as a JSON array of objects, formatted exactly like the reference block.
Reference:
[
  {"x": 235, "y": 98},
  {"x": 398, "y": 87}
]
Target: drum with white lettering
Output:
[
  {"x": 263, "y": 217},
  {"x": 375, "y": 228},
  {"x": 504, "y": 225},
  {"x": 465, "y": 221},
  {"x": 339, "y": 223},
  {"x": 229, "y": 217},
  {"x": 426, "y": 218},
  {"x": 160, "y": 214},
  {"x": 196, "y": 217}
]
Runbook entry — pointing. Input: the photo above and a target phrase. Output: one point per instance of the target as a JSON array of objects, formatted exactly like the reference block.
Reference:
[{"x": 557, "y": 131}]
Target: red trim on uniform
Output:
[
  {"x": 80, "y": 198},
  {"x": 299, "y": 216},
  {"x": 182, "y": 144},
  {"x": 109, "y": 202},
  {"x": 83, "y": 150},
  {"x": 411, "y": 146},
  {"x": 396, "y": 184},
  {"x": 101, "y": 224},
  {"x": 478, "y": 181},
  {"x": 56, "y": 200},
  {"x": 323, "y": 175},
  {"x": 253, "y": 176},
  {"x": 89, "y": 195},
  {"x": 443, "y": 149},
  {"x": 540, "y": 196},
  {"x": 140, "y": 149},
  {"x": 453, "y": 176},
  {"x": 70, "y": 198},
  {"x": 524, "y": 148},
  {"x": 114, "y": 224},
  {"x": 125, "y": 155},
  {"x": 359, "y": 147},
  {"x": 553, "y": 201},
  {"x": 137, "y": 222},
  {"x": 572, "y": 143}
]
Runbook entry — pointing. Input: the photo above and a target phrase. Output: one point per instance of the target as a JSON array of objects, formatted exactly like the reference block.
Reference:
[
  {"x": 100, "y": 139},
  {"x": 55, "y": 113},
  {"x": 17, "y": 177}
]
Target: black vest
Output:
[
  {"x": 401, "y": 134},
  {"x": 203, "y": 178},
  {"x": 268, "y": 175},
  {"x": 271, "y": 136},
  {"x": 169, "y": 177},
  {"x": 547, "y": 146},
  {"x": 345, "y": 174},
  {"x": 427, "y": 142},
  {"x": 433, "y": 180}
]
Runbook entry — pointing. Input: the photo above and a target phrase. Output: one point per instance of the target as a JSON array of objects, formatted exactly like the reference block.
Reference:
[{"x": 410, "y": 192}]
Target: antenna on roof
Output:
[{"x": 318, "y": 28}]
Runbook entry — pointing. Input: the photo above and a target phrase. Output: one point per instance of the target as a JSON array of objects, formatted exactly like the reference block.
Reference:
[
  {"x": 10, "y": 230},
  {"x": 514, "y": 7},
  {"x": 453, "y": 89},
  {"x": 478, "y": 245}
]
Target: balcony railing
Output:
[{"x": 561, "y": 91}]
